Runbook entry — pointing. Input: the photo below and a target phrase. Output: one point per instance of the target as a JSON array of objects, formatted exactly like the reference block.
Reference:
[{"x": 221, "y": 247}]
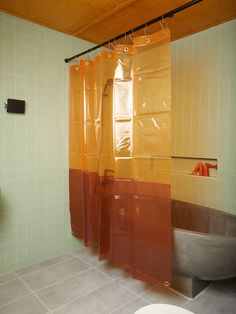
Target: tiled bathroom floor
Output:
[{"x": 79, "y": 283}]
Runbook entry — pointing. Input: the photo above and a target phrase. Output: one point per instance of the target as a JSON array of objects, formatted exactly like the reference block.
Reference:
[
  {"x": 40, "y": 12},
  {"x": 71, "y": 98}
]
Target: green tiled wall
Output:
[
  {"x": 34, "y": 214},
  {"x": 204, "y": 115}
]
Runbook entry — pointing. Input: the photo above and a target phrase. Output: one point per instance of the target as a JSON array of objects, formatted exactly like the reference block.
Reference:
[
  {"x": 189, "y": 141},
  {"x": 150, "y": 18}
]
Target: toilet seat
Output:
[{"x": 162, "y": 309}]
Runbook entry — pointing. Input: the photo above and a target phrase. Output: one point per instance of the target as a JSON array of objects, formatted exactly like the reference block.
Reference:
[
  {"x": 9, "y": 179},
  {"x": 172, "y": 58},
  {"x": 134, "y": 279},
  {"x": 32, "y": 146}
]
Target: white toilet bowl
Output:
[{"x": 162, "y": 309}]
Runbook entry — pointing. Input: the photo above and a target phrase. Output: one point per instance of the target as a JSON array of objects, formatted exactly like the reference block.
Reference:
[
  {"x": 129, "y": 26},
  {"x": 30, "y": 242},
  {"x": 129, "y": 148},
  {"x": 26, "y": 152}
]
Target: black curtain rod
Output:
[{"x": 131, "y": 31}]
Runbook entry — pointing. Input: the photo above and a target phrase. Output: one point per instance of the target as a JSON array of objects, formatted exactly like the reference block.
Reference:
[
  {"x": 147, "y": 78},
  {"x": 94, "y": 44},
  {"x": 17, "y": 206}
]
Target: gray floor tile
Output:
[
  {"x": 161, "y": 294},
  {"x": 72, "y": 288},
  {"x": 44, "y": 264},
  {"x": 12, "y": 290},
  {"x": 101, "y": 301},
  {"x": 82, "y": 250},
  {"x": 50, "y": 275},
  {"x": 229, "y": 284},
  {"x": 92, "y": 258},
  {"x": 124, "y": 277},
  {"x": 135, "y": 285},
  {"x": 213, "y": 300},
  {"x": 112, "y": 271},
  {"x": 7, "y": 277},
  {"x": 26, "y": 305},
  {"x": 131, "y": 307}
]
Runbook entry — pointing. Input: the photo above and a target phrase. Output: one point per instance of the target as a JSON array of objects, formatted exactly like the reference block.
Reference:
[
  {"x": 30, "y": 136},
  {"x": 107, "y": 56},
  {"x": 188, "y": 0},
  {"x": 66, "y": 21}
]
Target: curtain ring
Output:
[
  {"x": 146, "y": 33},
  {"x": 109, "y": 45},
  {"x": 146, "y": 30},
  {"x": 88, "y": 59},
  {"x": 162, "y": 27},
  {"x": 131, "y": 36},
  {"x": 77, "y": 63},
  {"x": 125, "y": 39},
  {"x": 111, "y": 48},
  {"x": 111, "y": 42}
]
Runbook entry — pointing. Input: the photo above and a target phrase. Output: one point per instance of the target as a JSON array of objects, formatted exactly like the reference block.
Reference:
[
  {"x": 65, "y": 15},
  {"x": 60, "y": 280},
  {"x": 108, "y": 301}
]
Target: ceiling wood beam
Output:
[{"x": 101, "y": 18}]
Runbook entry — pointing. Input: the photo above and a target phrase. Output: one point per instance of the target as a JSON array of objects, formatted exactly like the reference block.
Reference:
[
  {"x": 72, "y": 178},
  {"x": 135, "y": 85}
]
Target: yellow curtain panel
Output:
[{"x": 120, "y": 116}]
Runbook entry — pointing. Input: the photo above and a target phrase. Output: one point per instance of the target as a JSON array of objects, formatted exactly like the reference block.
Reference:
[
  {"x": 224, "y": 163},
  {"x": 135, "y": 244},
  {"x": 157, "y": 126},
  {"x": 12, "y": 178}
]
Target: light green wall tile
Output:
[
  {"x": 34, "y": 147},
  {"x": 204, "y": 114},
  {"x": 34, "y": 210}
]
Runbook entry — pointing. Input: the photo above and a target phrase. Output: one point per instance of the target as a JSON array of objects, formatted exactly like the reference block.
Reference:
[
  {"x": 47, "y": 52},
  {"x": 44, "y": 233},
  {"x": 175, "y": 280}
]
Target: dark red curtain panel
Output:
[{"x": 120, "y": 115}]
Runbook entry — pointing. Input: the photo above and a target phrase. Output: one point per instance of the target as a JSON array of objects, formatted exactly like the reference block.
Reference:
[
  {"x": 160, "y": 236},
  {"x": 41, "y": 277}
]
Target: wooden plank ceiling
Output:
[{"x": 100, "y": 20}]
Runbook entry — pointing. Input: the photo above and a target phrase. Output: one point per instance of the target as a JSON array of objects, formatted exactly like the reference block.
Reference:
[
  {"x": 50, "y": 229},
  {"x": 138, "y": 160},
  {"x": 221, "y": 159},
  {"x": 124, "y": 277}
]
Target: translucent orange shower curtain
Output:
[{"x": 120, "y": 155}]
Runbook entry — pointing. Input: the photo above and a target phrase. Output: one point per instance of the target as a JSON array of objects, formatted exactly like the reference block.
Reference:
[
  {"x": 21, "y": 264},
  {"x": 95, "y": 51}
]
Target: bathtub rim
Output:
[{"x": 203, "y": 234}]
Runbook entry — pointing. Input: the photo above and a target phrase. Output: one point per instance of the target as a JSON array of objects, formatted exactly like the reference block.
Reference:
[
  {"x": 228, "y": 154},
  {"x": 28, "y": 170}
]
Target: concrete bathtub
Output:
[{"x": 204, "y": 242}]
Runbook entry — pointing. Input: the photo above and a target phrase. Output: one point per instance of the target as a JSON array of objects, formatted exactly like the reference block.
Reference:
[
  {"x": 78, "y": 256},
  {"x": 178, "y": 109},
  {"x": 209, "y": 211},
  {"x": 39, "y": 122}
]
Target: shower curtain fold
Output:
[{"x": 120, "y": 115}]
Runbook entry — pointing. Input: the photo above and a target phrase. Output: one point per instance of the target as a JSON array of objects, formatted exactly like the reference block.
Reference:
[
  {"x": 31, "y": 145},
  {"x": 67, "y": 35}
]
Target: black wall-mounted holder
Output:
[{"x": 15, "y": 106}]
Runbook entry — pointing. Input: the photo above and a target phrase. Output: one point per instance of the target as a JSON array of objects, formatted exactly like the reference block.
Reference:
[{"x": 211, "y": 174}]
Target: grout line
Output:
[
  {"x": 119, "y": 282},
  {"x": 82, "y": 295},
  {"x": 93, "y": 265},
  {"x": 119, "y": 307},
  {"x": 113, "y": 280},
  {"x": 84, "y": 254},
  {"x": 130, "y": 290},
  {"x": 3, "y": 283},
  {"x": 34, "y": 271},
  {"x": 74, "y": 275},
  {"x": 17, "y": 299},
  {"x": 60, "y": 281},
  {"x": 43, "y": 268},
  {"x": 23, "y": 276},
  {"x": 138, "y": 295},
  {"x": 80, "y": 254},
  {"x": 196, "y": 297},
  {"x": 185, "y": 303},
  {"x": 181, "y": 294},
  {"x": 176, "y": 292},
  {"x": 33, "y": 292},
  {"x": 104, "y": 273}
]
